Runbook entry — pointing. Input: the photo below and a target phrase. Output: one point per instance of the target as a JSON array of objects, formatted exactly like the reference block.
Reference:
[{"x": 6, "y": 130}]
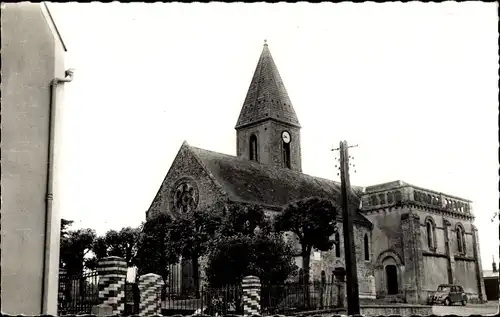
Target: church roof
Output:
[
  {"x": 267, "y": 97},
  {"x": 250, "y": 182}
]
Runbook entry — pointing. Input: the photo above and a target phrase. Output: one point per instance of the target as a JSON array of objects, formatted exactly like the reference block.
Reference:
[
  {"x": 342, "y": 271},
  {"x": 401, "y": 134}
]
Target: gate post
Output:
[
  {"x": 112, "y": 277},
  {"x": 322, "y": 290},
  {"x": 251, "y": 295},
  {"x": 373, "y": 289},
  {"x": 340, "y": 274},
  {"x": 150, "y": 287}
]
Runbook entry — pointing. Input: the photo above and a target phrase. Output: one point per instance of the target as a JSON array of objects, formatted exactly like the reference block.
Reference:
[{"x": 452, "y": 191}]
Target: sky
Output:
[{"x": 414, "y": 85}]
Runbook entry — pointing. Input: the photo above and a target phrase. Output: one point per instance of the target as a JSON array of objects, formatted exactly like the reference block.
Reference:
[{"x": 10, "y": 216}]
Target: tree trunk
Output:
[
  {"x": 306, "y": 257},
  {"x": 196, "y": 275}
]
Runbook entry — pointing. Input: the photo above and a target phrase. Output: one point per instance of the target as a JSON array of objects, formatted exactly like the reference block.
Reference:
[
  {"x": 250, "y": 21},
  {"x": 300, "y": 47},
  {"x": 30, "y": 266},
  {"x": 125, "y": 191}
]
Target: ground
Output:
[{"x": 490, "y": 308}]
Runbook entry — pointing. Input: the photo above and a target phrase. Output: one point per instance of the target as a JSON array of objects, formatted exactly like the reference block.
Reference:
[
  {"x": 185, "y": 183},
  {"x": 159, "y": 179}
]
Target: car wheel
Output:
[
  {"x": 447, "y": 302},
  {"x": 464, "y": 302}
]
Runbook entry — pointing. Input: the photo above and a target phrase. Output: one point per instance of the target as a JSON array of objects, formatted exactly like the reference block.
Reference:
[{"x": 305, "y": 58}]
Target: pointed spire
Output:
[{"x": 267, "y": 97}]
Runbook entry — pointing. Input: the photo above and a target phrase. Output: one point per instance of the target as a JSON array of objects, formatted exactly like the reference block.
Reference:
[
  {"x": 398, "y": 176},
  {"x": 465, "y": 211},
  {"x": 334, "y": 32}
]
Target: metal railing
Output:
[
  {"x": 293, "y": 297},
  {"x": 77, "y": 294},
  {"x": 209, "y": 301}
]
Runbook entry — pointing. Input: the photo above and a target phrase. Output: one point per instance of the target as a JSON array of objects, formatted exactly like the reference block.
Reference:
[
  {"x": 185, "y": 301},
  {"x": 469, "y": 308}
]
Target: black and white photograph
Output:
[{"x": 249, "y": 159}]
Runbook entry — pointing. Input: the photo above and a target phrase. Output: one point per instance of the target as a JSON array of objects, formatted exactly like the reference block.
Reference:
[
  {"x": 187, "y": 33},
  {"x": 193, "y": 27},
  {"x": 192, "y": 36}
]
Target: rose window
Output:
[{"x": 185, "y": 197}]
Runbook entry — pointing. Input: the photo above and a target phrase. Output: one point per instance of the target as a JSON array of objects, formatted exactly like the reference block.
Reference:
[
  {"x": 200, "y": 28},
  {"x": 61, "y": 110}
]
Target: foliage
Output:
[
  {"x": 123, "y": 243},
  {"x": 75, "y": 245},
  {"x": 191, "y": 233},
  {"x": 65, "y": 224},
  {"x": 242, "y": 218},
  {"x": 237, "y": 256},
  {"x": 100, "y": 247},
  {"x": 245, "y": 245},
  {"x": 313, "y": 221},
  {"x": 191, "y": 236},
  {"x": 100, "y": 250},
  {"x": 155, "y": 250}
]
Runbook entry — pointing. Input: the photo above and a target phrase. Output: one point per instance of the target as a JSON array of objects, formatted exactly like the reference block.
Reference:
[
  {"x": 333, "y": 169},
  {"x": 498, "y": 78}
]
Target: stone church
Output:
[{"x": 409, "y": 239}]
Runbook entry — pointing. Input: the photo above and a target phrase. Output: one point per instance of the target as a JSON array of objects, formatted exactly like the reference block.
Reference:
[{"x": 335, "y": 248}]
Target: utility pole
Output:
[{"x": 352, "y": 288}]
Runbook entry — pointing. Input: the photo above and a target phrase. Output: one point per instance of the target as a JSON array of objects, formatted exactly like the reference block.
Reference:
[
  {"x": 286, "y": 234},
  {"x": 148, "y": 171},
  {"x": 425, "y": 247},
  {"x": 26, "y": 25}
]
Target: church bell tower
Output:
[{"x": 268, "y": 130}]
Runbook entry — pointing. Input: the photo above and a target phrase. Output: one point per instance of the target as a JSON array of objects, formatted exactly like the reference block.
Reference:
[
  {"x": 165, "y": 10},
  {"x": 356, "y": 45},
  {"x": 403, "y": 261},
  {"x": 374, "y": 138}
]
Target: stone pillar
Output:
[
  {"x": 413, "y": 258},
  {"x": 322, "y": 289},
  {"x": 112, "y": 277},
  {"x": 449, "y": 251},
  {"x": 372, "y": 286},
  {"x": 481, "y": 292},
  {"x": 339, "y": 274},
  {"x": 150, "y": 287},
  {"x": 251, "y": 295}
]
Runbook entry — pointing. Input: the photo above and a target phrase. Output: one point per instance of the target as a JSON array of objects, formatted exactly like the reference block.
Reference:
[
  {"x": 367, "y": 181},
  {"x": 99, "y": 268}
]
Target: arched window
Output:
[
  {"x": 398, "y": 197},
  {"x": 337, "y": 245},
  {"x": 382, "y": 198},
  {"x": 286, "y": 155},
  {"x": 390, "y": 197},
  {"x": 253, "y": 148},
  {"x": 429, "y": 234},
  {"x": 430, "y": 230},
  {"x": 374, "y": 200},
  {"x": 460, "y": 238},
  {"x": 435, "y": 200},
  {"x": 367, "y": 248}
]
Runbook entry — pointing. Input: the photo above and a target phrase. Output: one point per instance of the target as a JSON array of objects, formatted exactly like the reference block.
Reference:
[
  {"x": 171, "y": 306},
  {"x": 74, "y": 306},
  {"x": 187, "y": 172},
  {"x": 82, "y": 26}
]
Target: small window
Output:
[
  {"x": 367, "y": 248},
  {"x": 253, "y": 148},
  {"x": 430, "y": 230},
  {"x": 390, "y": 197},
  {"x": 382, "y": 199},
  {"x": 398, "y": 197},
  {"x": 416, "y": 196},
  {"x": 286, "y": 155},
  {"x": 460, "y": 239},
  {"x": 337, "y": 245},
  {"x": 429, "y": 235}
]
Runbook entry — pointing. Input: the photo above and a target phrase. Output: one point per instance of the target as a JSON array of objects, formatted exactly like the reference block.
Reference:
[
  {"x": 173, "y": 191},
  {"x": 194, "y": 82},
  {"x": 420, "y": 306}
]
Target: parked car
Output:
[{"x": 448, "y": 294}]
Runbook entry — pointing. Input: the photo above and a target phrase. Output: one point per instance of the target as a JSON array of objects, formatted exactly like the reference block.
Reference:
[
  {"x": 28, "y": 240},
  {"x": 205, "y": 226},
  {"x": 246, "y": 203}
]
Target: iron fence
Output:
[
  {"x": 79, "y": 293},
  {"x": 208, "y": 301},
  {"x": 290, "y": 297},
  {"x": 132, "y": 299}
]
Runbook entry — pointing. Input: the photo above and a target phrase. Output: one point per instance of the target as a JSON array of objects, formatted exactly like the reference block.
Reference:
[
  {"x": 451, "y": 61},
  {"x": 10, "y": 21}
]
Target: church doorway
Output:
[{"x": 391, "y": 277}]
